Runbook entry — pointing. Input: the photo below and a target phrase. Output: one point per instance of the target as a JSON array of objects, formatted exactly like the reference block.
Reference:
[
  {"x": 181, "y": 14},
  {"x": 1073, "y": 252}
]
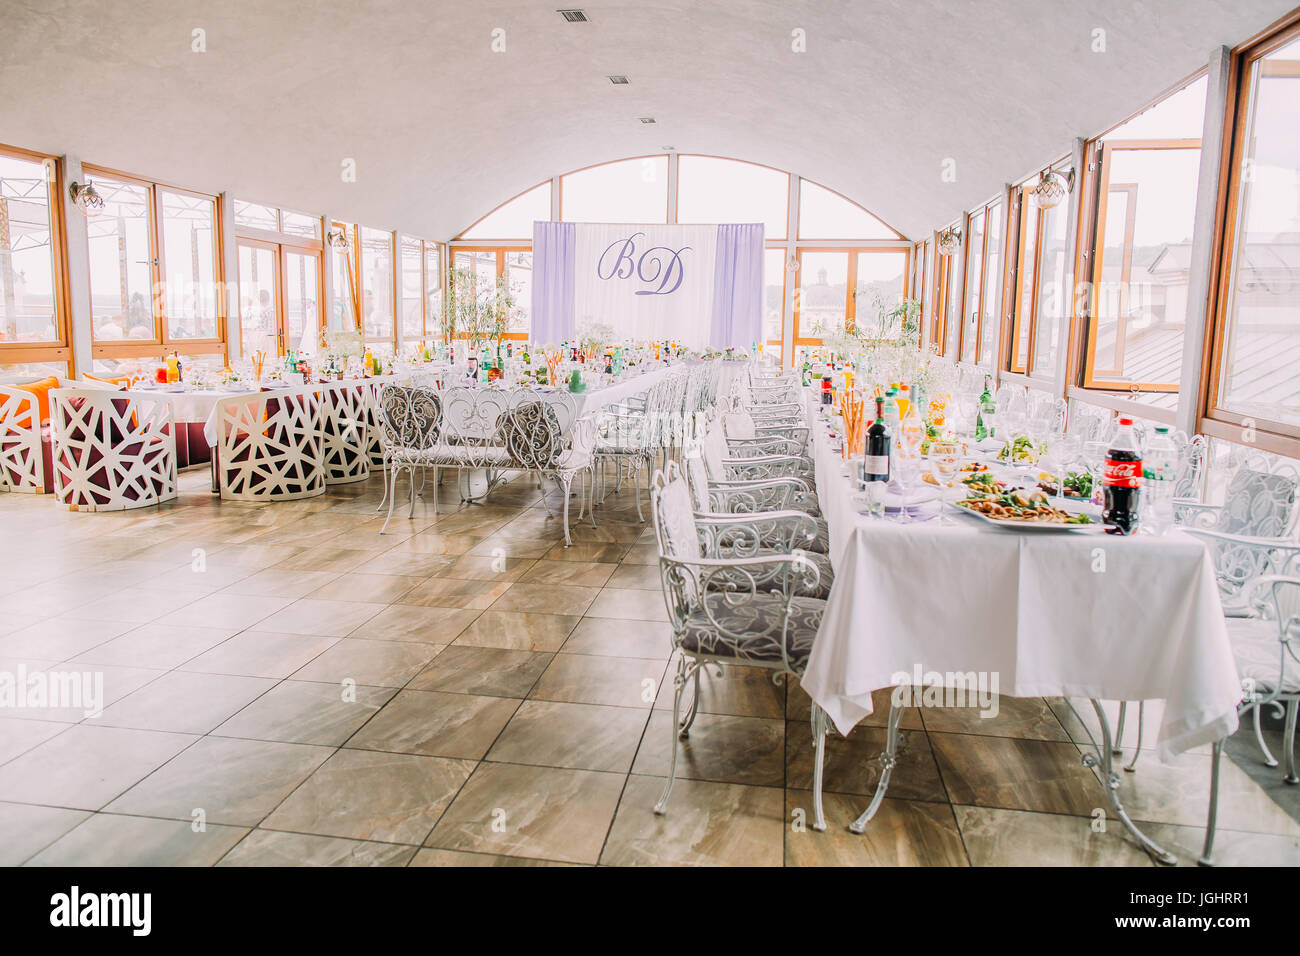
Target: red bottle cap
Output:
[{"x": 1126, "y": 421}]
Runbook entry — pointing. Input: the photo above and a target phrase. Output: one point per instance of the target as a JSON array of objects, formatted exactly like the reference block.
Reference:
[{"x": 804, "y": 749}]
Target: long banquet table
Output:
[{"x": 1071, "y": 614}]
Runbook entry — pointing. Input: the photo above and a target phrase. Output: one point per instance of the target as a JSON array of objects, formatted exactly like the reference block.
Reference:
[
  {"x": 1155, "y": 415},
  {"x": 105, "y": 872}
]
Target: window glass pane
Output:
[
  {"x": 726, "y": 190},
  {"x": 377, "y": 285},
  {"x": 121, "y": 278},
  {"x": 433, "y": 287},
  {"x": 1142, "y": 265},
  {"x": 992, "y": 311},
  {"x": 298, "y": 224},
  {"x": 1261, "y": 364},
  {"x": 879, "y": 287},
  {"x": 519, "y": 273},
  {"x": 27, "y": 307},
  {"x": 301, "y": 296},
  {"x": 1180, "y": 115},
  {"x": 827, "y": 215},
  {"x": 773, "y": 294},
  {"x": 341, "y": 263},
  {"x": 952, "y": 308},
  {"x": 251, "y": 215},
  {"x": 631, "y": 190},
  {"x": 515, "y": 219},
  {"x": 1051, "y": 293},
  {"x": 189, "y": 258},
  {"x": 412, "y": 289},
  {"x": 482, "y": 268},
  {"x": 823, "y": 283},
  {"x": 23, "y": 372},
  {"x": 258, "y": 311},
  {"x": 970, "y": 313},
  {"x": 1025, "y": 281}
]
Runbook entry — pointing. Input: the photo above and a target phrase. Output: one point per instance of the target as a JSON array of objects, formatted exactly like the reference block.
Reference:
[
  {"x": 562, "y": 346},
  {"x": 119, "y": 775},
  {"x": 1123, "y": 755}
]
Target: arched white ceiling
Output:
[{"x": 441, "y": 127}]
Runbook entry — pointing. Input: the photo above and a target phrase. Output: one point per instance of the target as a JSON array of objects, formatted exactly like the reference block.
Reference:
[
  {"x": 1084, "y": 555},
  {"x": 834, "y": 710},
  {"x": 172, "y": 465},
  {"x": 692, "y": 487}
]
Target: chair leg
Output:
[
  {"x": 636, "y": 488},
  {"x": 1269, "y": 759},
  {"x": 1131, "y": 767},
  {"x": 437, "y": 484},
  {"x": 1212, "y": 822},
  {"x": 392, "y": 499},
  {"x": 819, "y": 765},
  {"x": 684, "y": 728},
  {"x": 589, "y": 479},
  {"x": 679, "y": 681},
  {"x": 387, "y": 473},
  {"x": 564, "y": 486},
  {"x": 1118, "y": 748},
  {"x": 1288, "y": 741}
]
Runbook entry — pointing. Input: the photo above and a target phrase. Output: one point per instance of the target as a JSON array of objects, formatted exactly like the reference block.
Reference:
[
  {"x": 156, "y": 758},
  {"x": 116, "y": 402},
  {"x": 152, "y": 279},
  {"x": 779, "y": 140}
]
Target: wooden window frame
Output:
[
  {"x": 1212, "y": 419},
  {"x": 1098, "y": 201},
  {"x": 964, "y": 307},
  {"x": 60, "y": 350},
  {"x": 998, "y": 207},
  {"x": 162, "y": 343},
  {"x": 850, "y": 283},
  {"x": 501, "y": 253}
]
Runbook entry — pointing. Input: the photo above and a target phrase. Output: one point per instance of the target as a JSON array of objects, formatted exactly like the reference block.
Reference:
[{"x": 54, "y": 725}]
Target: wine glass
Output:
[
  {"x": 907, "y": 467},
  {"x": 944, "y": 463}
]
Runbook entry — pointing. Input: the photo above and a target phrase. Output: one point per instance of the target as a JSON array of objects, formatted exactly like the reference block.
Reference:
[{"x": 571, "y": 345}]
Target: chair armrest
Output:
[{"x": 739, "y": 535}]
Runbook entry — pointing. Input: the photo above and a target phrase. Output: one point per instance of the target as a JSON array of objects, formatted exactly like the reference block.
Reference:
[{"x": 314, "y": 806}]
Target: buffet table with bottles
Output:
[{"x": 1065, "y": 611}]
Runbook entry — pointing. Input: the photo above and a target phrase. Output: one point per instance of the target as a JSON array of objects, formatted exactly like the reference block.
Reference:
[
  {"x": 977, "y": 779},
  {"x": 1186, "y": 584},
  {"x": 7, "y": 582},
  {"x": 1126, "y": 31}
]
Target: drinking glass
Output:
[
  {"x": 944, "y": 463},
  {"x": 873, "y": 498}
]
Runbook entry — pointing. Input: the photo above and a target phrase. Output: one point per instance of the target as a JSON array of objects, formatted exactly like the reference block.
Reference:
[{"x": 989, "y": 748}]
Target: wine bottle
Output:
[{"x": 875, "y": 467}]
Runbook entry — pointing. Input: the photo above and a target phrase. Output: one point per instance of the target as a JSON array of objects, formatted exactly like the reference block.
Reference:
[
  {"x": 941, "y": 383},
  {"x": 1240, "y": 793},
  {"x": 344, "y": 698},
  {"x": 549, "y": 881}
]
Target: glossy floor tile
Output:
[{"x": 466, "y": 691}]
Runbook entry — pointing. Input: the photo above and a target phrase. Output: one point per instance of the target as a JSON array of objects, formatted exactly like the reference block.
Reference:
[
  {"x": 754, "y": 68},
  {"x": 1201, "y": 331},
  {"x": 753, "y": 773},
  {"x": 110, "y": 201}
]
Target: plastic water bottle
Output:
[{"x": 1159, "y": 473}]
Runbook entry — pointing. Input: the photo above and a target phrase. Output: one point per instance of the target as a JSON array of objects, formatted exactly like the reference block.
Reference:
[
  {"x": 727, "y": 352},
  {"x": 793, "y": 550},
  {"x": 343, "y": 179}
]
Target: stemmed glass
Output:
[
  {"x": 943, "y": 462},
  {"x": 907, "y": 468}
]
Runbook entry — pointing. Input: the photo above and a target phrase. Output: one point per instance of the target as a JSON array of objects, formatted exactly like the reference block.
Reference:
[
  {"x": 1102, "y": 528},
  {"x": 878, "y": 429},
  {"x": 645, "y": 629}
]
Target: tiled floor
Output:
[{"x": 284, "y": 685}]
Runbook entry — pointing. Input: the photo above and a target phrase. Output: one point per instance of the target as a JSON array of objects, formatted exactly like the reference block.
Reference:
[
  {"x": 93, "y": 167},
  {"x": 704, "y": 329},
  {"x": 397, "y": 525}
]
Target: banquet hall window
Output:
[
  {"x": 279, "y": 273},
  {"x": 974, "y": 272},
  {"x": 824, "y": 214},
  {"x": 990, "y": 320},
  {"x": 774, "y": 273},
  {"x": 514, "y": 218},
  {"x": 1039, "y": 244},
  {"x": 420, "y": 264},
  {"x": 921, "y": 268},
  {"x": 377, "y": 283},
  {"x": 154, "y": 273},
  {"x": 1257, "y": 372},
  {"x": 342, "y": 312},
  {"x": 947, "y": 297},
  {"x": 433, "y": 290},
  {"x": 33, "y": 314},
  {"x": 834, "y": 287},
  {"x": 952, "y": 317},
  {"x": 491, "y": 265},
  {"x": 629, "y": 190},
  {"x": 711, "y": 190},
  {"x": 1144, "y": 181}
]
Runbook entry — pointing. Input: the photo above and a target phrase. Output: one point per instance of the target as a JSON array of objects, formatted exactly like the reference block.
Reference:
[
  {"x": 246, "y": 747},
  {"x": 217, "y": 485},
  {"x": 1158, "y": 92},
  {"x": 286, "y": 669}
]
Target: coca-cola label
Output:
[{"x": 1123, "y": 474}]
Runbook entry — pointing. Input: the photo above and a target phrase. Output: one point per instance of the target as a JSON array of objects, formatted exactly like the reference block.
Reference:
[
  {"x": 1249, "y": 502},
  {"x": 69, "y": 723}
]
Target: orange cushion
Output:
[
  {"x": 121, "y": 381},
  {"x": 41, "y": 390}
]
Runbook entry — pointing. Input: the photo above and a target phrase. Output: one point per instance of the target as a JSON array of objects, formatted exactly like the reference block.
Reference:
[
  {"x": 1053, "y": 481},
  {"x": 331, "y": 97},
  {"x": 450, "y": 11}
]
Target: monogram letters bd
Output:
[{"x": 660, "y": 268}]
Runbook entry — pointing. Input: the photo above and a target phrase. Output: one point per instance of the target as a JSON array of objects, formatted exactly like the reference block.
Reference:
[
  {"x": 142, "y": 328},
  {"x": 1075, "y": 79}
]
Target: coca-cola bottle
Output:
[{"x": 1122, "y": 481}]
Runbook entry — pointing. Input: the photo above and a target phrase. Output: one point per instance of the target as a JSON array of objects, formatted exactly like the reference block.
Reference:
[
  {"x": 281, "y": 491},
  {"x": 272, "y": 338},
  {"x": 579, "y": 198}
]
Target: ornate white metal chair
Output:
[
  {"x": 533, "y": 436},
  {"x": 471, "y": 437},
  {"x": 739, "y": 610},
  {"x": 759, "y": 496},
  {"x": 1089, "y": 423},
  {"x": 724, "y": 468},
  {"x": 409, "y": 419},
  {"x": 1253, "y": 533},
  {"x": 1265, "y": 649},
  {"x": 112, "y": 450},
  {"x": 626, "y": 438},
  {"x": 271, "y": 446},
  {"x": 24, "y": 462}
]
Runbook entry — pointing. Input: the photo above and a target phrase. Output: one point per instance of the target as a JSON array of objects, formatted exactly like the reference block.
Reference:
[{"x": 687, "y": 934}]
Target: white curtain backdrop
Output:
[{"x": 646, "y": 281}]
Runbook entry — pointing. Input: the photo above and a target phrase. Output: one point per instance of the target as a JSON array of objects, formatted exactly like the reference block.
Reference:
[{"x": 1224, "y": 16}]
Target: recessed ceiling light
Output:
[
  {"x": 647, "y": 119},
  {"x": 618, "y": 80},
  {"x": 573, "y": 16},
  {"x": 669, "y": 149}
]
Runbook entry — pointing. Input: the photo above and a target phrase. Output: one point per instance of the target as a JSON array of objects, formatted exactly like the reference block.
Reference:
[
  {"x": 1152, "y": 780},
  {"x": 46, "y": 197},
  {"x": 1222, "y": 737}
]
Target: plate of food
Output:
[
  {"x": 1025, "y": 510},
  {"x": 1077, "y": 485},
  {"x": 1020, "y": 451}
]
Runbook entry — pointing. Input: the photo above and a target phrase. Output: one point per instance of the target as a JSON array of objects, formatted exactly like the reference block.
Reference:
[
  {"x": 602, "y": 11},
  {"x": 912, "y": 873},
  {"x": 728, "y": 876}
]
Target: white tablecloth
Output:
[{"x": 1080, "y": 614}]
